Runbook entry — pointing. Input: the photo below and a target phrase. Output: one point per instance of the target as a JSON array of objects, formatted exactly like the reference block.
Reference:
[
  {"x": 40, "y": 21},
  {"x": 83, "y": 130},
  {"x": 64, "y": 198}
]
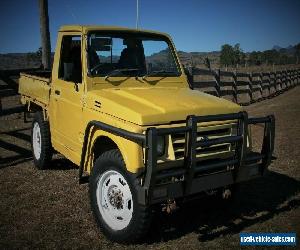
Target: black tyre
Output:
[
  {"x": 41, "y": 141},
  {"x": 113, "y": 196}
]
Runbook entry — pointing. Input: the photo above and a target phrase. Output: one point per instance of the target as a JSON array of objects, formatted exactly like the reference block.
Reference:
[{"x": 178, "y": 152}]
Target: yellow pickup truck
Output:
[{"x": 119, "y": 105}]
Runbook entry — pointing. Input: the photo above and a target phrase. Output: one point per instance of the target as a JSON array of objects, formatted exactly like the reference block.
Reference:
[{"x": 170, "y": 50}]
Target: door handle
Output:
[{"x": 57, "y": 92}]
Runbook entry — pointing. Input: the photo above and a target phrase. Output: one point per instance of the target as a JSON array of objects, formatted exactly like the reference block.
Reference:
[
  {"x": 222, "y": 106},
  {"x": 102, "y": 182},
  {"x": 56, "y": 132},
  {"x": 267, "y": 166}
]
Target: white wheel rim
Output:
[
  {"x": 36, "y": 141},
  {"x": 114, "y": 200}
]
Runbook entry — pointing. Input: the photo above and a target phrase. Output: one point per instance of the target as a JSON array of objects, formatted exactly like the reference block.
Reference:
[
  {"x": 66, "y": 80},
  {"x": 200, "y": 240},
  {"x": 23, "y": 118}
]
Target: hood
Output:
[{"x": 149, "y": 106}]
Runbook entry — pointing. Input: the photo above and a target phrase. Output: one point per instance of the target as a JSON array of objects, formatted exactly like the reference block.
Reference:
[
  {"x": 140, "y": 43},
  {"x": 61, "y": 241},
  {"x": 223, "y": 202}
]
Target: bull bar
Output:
[
  {"x": 246, "y": 165},
  {"x": 242, "y": 166}
]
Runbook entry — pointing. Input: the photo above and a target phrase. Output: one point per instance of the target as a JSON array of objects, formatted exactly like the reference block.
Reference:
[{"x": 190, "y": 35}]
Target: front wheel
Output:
[{"x": 113, "y": 195}]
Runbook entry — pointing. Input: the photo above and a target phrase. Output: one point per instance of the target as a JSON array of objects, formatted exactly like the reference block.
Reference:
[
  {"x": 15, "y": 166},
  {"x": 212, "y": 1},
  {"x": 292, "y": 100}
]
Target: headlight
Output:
[{"x": 160, "y": 145}]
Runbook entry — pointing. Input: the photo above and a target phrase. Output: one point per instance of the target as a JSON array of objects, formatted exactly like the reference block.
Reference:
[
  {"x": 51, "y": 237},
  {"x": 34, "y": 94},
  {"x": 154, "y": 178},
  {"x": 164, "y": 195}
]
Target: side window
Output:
[{"x": 70, "y": 67}]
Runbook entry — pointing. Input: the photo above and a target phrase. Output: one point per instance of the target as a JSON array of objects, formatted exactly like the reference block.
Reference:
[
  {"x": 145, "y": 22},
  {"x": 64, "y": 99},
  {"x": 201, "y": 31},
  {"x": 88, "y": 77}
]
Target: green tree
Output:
[
  {"x": 232, "y": 56},
  {"x": 236, "y": 53},
  {"x": 270, "y": 56},
  {"x": 227, "y": 55},
  {"x": 239, "y": 55}
]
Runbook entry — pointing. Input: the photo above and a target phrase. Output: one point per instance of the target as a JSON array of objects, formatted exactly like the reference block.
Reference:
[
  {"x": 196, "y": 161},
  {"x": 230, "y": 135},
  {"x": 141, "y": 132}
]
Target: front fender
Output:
[{"x": 131, "y": 151}]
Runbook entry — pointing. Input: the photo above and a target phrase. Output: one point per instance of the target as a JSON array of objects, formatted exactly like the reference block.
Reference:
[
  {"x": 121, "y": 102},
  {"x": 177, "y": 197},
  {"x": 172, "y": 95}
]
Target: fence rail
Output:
[{"x": 241, "y": 87}]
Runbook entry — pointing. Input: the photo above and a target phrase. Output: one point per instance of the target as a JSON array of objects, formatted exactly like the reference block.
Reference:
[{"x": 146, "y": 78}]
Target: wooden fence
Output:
[
  {"x": 9, "y": 85},
  {"x": 243, "y": 88}
]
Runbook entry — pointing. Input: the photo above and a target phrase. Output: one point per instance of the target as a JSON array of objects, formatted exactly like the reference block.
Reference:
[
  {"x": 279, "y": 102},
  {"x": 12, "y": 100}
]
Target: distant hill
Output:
[
  {"x": 29, "y": 60},
  {"x": 197, "y": 58},
  {"x": 188, "y": 58},
  {"x": 288, "y": 50},
  {"x": 18, "y": 60},
  {"x": 276, "y": 47}
]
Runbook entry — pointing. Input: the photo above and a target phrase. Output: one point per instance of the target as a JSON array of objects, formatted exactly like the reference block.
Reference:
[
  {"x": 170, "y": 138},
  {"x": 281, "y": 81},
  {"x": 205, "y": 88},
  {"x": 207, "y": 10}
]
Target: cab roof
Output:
[{"x": 86, "y": 28}]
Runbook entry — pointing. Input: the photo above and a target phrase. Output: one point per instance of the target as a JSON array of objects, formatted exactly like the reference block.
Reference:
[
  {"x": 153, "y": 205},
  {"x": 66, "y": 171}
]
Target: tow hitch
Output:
[{"x": 170, "y": 206}]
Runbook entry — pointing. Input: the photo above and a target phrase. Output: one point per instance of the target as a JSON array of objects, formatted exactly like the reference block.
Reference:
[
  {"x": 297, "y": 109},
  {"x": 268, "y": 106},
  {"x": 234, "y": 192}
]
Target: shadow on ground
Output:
[
  {"x": 256, "y": 201},
  {"x": 22, "y": 154}
]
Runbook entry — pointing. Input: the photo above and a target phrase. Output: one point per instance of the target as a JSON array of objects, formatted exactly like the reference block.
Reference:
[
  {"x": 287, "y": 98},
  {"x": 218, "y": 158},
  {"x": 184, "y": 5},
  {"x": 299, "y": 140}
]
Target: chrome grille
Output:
[{"x": 209, "y": 132}]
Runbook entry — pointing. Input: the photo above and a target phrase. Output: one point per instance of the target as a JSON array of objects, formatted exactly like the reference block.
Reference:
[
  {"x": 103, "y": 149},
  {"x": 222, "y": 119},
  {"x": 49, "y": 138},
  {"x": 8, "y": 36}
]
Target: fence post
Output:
[
  {"x": 280, "y": 79},
  {"x": 285, "y": 79},
  {"x": 218, "y": 81},
  {"x": 262, "y": 89},
  {"x": 250, "y": 87},
  {"x": 235, "y": 86},
  {"x": 273, "y": 83},
  {"x": 270, "y": 84},
  {"x": 276, "y": 82},
  {"x": 288, "y": 80}
]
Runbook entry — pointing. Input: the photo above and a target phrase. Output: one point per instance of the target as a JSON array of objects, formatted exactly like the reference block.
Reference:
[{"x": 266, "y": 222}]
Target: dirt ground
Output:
[{"x": 49, "y": 209}]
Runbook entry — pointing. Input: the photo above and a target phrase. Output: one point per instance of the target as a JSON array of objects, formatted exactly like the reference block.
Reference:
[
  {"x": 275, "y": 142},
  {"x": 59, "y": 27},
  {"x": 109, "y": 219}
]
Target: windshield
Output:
[{"x": 130, "y": 54}]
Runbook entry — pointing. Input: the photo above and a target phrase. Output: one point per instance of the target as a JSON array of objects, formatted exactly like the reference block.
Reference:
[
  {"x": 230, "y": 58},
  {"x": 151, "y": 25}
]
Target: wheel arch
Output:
[
  {"x": 102, "y": 141},
  {"x": 102, "y": 144}
]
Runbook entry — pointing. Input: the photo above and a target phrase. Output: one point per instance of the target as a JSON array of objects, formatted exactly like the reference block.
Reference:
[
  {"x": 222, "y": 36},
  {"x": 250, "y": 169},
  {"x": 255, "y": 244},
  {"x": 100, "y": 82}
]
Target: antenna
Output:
[{"x": 137, "y": 14}]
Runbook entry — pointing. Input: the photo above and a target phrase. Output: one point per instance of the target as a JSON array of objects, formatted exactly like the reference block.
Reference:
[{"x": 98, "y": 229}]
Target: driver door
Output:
[{"x": 67, "y": 94}]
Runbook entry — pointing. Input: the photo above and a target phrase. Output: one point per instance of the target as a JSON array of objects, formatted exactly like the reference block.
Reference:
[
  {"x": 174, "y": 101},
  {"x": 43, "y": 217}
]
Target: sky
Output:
[{"x": 194, "y": 25}]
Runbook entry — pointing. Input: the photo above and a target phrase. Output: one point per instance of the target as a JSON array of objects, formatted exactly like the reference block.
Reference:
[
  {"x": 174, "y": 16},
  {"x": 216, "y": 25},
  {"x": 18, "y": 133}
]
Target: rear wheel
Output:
[
  {"x": 113, "y": 195},
  {"x": 41, "y": 141}
]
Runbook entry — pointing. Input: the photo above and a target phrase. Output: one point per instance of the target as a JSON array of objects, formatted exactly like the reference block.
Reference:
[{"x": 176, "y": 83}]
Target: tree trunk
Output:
[{"x": 45, "y": 34}]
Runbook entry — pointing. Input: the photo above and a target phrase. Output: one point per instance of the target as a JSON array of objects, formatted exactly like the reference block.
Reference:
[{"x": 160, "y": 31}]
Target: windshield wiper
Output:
[
  {"x": 157, "y": 72},
  {"x": 117, "y": 71}
]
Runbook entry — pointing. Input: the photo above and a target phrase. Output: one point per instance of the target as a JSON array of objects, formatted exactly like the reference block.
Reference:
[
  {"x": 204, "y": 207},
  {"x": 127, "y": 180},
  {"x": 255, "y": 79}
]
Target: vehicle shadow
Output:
[
  {"x": 10, "y": 111},
  {"x": 22, "y": 152},
  {"x": 20, "y": 134},
  {"x": 61, "y": 163},
  {"x": 256, "y": 201}
]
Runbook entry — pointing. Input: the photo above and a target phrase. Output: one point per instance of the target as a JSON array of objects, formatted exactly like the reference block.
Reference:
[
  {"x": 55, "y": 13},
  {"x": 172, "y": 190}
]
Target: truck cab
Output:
[{"x": 119, "y": 105}]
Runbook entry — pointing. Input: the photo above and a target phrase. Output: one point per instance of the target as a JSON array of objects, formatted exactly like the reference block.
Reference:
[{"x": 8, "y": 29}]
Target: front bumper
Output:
[{"x": 193, "y": 176}]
